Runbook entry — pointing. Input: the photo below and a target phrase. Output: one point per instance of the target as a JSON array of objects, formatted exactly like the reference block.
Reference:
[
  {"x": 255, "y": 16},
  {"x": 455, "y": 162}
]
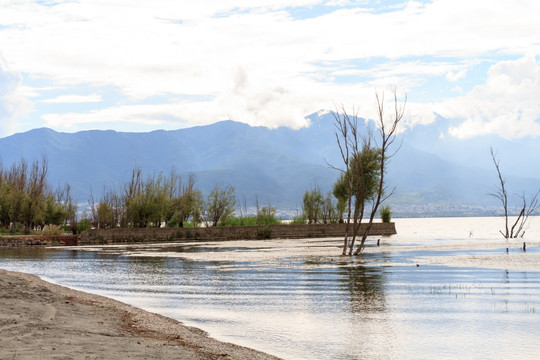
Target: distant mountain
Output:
[{"x": 432, "y": 172}]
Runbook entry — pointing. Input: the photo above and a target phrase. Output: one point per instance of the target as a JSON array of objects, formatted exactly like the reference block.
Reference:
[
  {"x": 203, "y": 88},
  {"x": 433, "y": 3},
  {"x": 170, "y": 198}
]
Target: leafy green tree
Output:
[
  {"x": 312, "y": 202},
  {"x": 341, "y": 193},
  {"x": 220, "y": 204},
  {"x": 104, "y": 214},
  {"x": 55, "y": 213},
  {"x": 83, "y": 225},
  {"x": 186, "y": 202},
  {"x": 70, "y": 208},
  {"x": 144, "y": 200},
  {"x": 26, "y": 199},
  {"x": 359, "y": 184},
  {"x": 329, "y": 212},
  {"x": 5, "y": 204},
  {"x": 365, "y": 172},
  {"x": 17, "y": 177}
]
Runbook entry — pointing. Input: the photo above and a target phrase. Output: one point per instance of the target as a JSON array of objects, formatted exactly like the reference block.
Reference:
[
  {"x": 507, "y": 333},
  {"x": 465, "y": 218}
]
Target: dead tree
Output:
[{"x": 517, "y": 229}]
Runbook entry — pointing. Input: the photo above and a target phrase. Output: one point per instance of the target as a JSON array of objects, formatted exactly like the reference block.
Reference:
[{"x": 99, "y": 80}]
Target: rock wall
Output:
[
  {"x": 36, "y": 241},
  {"x": 118, "y": 236}
]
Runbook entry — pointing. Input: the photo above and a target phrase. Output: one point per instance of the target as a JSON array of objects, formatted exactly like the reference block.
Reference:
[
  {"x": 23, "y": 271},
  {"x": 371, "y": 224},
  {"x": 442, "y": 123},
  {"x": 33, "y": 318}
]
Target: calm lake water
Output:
[{"x": 298, "y": 299}]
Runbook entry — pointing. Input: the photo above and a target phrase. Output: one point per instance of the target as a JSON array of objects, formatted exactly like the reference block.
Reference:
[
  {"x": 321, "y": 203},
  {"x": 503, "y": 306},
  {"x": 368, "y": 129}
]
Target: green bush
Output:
[
  {"x": 386, "y": 214},
  {"x": 186, "y": 224},
  {"x": 265, "y": 232},
  {"x": 267, "y": 216},
  {"x": 83, "y": 225},
  {"x": 241, "y": 221},
  {"x": 52, "y": 230},
  {"x": 190, "y": 224},
  {"x": 298, "y": 220}
]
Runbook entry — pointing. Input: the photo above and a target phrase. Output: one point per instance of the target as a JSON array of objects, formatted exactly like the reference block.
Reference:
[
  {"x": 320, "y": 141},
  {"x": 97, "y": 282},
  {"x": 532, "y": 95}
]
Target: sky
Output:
[{"x": 168, "y": 64}]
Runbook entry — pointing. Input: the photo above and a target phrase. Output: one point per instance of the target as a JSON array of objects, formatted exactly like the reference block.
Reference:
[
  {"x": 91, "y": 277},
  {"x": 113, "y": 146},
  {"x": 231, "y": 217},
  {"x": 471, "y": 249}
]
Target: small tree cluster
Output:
[
  {"x": 149, "y": 202},
  {"x": 26, "y": 199},
  {"x": 318, "y": 208},
  {"x": 265, "y": 215}
]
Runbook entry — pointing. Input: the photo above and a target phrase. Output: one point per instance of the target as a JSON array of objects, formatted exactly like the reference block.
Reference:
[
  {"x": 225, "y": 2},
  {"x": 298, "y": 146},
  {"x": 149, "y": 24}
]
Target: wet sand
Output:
[{"x": 40, "y": 320}]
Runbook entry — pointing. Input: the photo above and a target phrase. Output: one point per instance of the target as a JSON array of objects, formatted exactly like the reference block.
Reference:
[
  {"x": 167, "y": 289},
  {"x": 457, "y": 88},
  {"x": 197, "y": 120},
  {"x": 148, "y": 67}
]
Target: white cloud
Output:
[
  {"x": 71, "y": 99},
  {"x": 251, "y": 60},
  {"x": 455, "y": 76},
  {"x": 506, "y": 105},
  {"x": 30, "y": 92},
  {"x": 12, "y": 103}
]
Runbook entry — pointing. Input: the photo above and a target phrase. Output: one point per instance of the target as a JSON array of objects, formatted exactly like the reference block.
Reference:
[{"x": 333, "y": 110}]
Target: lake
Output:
[{"x": 441, "y": 288}]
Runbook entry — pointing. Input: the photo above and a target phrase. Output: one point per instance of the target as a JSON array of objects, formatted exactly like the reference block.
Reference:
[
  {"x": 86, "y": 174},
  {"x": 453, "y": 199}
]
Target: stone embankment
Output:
[
  {"x": 38, "y": 241},
  {"x": 147, "y": 235}
]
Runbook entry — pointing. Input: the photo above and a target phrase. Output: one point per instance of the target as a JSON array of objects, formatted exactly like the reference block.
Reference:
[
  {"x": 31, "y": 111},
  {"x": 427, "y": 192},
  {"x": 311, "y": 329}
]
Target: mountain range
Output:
[{"x": 432, "y": 172}]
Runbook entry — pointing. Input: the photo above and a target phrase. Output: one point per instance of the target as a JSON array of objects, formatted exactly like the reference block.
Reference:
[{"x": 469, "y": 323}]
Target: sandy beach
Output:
[{"x": 40, "y": 320}]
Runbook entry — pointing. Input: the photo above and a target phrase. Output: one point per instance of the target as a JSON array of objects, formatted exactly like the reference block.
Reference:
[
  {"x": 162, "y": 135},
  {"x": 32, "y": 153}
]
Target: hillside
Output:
[{"x": 431, "y": 173}]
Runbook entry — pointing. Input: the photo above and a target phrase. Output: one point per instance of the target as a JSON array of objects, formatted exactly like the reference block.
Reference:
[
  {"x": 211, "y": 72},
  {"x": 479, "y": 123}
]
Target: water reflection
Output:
[
  {"x": 366, "y": 287},
  {"x": 306, "y": 306}
]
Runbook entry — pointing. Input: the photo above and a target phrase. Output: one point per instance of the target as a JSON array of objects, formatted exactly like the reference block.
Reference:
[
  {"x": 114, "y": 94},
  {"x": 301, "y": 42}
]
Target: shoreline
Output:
[{"x": 40, "y": 319}]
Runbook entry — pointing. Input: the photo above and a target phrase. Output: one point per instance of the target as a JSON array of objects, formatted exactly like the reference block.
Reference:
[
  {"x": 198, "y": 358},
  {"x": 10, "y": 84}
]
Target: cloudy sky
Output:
[{"x": 167, "y": 64}]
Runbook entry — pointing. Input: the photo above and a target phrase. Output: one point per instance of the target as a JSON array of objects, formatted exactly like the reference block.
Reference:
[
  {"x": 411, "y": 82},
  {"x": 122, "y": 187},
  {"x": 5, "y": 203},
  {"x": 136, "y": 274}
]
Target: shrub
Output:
[
  {"x": 267, "y": 216},
  {"x": 386, "y": 214},
  {"x": 190, "y": 224},
  {"x": 265, "y": 232},
  {"x": 83, "y": 225},
  {"x": 52, "y": 230},
  {"x": 298, "y": 220},
  {"x": 241, "y": 221}
]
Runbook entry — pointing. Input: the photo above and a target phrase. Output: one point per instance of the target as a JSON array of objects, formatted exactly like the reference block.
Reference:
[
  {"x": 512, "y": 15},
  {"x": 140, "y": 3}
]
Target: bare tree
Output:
[{"x": 517, "y": 229}]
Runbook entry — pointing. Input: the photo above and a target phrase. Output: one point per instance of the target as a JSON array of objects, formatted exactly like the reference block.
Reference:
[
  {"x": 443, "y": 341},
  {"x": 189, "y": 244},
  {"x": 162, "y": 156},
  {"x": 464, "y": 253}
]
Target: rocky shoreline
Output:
[{"x": 46, "y": 321}]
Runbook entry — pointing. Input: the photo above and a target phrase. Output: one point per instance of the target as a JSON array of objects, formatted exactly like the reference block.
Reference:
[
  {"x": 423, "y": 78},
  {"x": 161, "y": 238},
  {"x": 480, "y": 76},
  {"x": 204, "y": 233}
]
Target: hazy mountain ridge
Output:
[{"x": 277, "y": 165}]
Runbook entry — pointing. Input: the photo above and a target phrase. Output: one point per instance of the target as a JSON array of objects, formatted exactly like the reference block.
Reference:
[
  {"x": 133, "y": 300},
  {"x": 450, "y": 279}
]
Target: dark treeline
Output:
[{"x": 28, "y": 202}]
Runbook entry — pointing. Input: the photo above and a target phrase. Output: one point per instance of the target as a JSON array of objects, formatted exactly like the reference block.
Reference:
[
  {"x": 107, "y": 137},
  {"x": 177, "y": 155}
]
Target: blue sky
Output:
[{"x": 168, "y": 64}]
